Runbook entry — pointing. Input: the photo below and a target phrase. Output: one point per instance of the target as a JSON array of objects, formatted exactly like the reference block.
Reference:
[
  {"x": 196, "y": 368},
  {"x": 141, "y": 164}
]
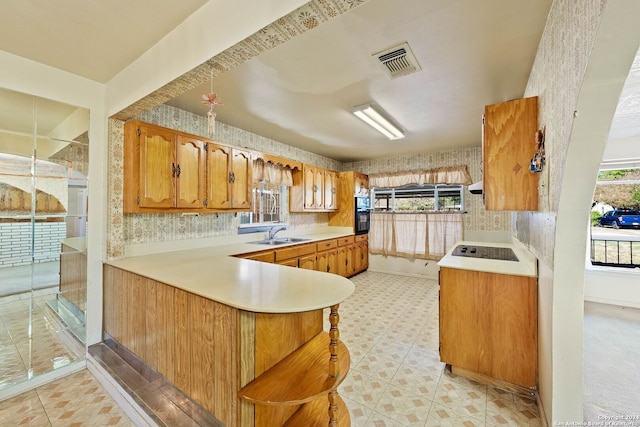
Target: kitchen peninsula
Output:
[{"x": 242, "y": 338}]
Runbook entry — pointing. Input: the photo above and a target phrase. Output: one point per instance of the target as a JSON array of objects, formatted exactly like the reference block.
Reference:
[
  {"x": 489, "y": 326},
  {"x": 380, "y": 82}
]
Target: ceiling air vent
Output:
[{"x": 398, "y": 61}]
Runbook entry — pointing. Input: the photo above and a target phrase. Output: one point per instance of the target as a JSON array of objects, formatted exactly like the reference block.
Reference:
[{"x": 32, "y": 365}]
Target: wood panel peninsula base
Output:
[{"x": 247, "y": 368}]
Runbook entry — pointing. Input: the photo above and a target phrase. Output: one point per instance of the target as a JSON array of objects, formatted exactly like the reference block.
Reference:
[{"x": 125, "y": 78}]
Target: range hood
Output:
[{"x": 475, "y": 188}]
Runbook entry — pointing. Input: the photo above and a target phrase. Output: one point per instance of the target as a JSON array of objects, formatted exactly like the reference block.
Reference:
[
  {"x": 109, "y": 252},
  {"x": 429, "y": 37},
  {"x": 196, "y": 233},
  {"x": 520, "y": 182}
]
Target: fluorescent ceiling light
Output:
[{"x": 374, "y": 118}]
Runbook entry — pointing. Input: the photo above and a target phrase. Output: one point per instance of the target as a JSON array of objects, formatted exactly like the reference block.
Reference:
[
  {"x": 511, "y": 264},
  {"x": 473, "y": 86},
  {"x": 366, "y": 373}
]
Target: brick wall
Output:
[{"x": 15, "y": 244}]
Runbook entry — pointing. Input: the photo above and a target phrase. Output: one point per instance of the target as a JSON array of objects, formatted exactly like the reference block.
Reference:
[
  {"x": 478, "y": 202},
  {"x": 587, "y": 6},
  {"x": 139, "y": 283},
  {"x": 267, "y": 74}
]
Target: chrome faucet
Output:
[{"x": 275, "y": 229}]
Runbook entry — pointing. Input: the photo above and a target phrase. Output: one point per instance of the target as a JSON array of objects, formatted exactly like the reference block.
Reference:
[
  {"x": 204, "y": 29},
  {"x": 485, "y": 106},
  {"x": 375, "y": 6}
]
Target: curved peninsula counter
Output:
[{"x": 242, "y": 338}]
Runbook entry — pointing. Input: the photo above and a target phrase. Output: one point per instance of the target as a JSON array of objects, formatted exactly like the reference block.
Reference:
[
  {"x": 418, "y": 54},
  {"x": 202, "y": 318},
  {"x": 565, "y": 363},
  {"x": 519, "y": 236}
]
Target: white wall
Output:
[{"x": 616, "y": 286}]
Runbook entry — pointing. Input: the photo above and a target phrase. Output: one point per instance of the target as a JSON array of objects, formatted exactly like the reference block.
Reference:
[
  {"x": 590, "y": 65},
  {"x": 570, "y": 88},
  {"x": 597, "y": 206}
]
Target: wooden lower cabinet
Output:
[
  {"x": 327, "y": 261},
  {"x": 301, "y": 256},
  {"x": 361, "y": 253},
  {"x": 247, "y": 369},
  {"x": 327, "y": 256},
  {"x": 488, "y": 325},
  {"x": 345, "y": 256}
]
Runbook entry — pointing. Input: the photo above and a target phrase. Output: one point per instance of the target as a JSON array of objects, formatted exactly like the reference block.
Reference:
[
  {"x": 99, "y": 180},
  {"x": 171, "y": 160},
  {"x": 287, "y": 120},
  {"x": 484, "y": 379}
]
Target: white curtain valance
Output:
[
  {"x": 445, "y": 175},
  {"x": 271, "y": 173}
]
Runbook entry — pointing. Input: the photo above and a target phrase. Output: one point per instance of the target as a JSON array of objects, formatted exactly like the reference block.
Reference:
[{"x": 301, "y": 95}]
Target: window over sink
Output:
[{"x": 269, "y": 204}]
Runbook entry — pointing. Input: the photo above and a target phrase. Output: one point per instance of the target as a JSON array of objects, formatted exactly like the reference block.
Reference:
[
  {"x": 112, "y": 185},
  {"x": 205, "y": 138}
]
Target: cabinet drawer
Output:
[
  {"x": 362, "y": 238},
  {"x": 326, "y": 245},
  {"x": 342, "y": 241},
  {"x": 295, "y": 251}
]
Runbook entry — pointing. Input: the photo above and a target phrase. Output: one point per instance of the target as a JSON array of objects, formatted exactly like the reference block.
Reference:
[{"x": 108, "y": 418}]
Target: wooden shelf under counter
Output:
[{"x": 281, "y": 385}]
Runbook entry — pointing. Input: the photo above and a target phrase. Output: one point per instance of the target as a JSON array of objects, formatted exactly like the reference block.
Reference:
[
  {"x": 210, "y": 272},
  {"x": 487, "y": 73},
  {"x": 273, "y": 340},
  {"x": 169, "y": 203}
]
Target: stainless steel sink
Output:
[{"x": 280, "y": 241}]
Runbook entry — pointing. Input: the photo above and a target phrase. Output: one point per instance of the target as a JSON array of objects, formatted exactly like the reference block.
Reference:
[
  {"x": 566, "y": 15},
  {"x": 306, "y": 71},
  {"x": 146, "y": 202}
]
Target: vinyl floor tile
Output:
[{"x": 391, "y": 327}]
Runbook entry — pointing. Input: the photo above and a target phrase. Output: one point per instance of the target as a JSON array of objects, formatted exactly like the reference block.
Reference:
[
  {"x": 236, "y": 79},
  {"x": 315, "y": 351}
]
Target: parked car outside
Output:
[{"x": 619, "y": 218}]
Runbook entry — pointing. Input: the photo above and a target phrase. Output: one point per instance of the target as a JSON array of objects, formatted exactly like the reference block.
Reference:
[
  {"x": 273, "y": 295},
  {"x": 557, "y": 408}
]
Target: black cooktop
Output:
[{"x": 488, "y": 252}]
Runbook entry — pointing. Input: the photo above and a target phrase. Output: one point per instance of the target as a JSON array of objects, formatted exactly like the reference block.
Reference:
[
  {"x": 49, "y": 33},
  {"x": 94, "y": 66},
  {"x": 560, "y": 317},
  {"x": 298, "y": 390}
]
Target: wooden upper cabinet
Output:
[
  {"x": 229, "y": 173},
  {"x": 361, "y": 184},
  {"x": 330, "y": 200},
  {"x": 242, "y": 177},
  {"x": 162, "y": 169},
  {"x": 508, "y": 144},
  {"x": 190, "y": 182},
  {"x": 314, "y": 189},
  {"x": 168, "y": 170},
  {"x": 218, "y": 176},
  {"x": 157, "y": 167}
]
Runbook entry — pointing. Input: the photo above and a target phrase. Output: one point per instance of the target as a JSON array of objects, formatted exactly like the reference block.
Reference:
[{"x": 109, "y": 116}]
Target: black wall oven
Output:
[{"x": 363, "y": 216}]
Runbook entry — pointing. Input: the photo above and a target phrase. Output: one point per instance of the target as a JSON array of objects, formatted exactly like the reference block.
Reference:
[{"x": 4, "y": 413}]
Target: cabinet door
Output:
[
  {"x": 218, "y": 176},
  {"x": 330, "y": 190},
  {"x": 361, "y": 183},
  {"x": 488, "y": 324},
  {"x": 157, "y": 167},
  {"x": 190, "y": 156},
  {"x": 241, "y": 179},
  {"x": 313, "y": 187},
  {"x": 361, "y": 256},
  {"x": 307, "y": 262},
  {"x": 508, "y": 144},
  {"x": 345, "y": 261},
  {"x": 350, "y": 255},
  {"x": 327, "y": 261}
]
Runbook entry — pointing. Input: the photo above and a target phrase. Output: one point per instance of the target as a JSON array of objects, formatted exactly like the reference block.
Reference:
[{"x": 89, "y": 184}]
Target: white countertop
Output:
[
  {"x": 525, "y": 266},
  {"x": 213, "y": 273},
  {"x": 77, "y": 243}
]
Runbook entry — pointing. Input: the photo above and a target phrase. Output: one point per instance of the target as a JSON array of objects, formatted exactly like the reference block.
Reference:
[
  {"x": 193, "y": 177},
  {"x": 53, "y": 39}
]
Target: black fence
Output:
[{"x": 615, "y": 253}]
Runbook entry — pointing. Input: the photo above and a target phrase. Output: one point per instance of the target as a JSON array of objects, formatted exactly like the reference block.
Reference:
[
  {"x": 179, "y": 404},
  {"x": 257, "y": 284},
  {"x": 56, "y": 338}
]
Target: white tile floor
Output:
[{"x": 390, "y": 325}]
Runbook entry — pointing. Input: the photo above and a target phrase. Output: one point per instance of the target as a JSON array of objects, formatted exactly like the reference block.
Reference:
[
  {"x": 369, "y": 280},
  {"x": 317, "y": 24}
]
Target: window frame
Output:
[{"x": 437, "y": 190}]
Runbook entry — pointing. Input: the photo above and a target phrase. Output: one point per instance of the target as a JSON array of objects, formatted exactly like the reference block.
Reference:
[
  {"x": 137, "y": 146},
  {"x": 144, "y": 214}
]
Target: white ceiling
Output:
[
  {"x": 93, "y": 39},
  {"x": 300, "y": 93}
]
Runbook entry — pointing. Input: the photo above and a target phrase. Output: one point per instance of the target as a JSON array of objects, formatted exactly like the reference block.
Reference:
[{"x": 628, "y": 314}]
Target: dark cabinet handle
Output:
[
  {"x": 173, "y": 170},
  {"x": 178, "y": 171}
]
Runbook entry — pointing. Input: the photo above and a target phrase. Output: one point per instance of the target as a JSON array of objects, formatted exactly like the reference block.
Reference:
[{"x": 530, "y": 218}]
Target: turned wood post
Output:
[
  {"x": 333, "y": 408},
  {"x": 334, "y": 335},
  {"x": 334, "y": 368}
]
